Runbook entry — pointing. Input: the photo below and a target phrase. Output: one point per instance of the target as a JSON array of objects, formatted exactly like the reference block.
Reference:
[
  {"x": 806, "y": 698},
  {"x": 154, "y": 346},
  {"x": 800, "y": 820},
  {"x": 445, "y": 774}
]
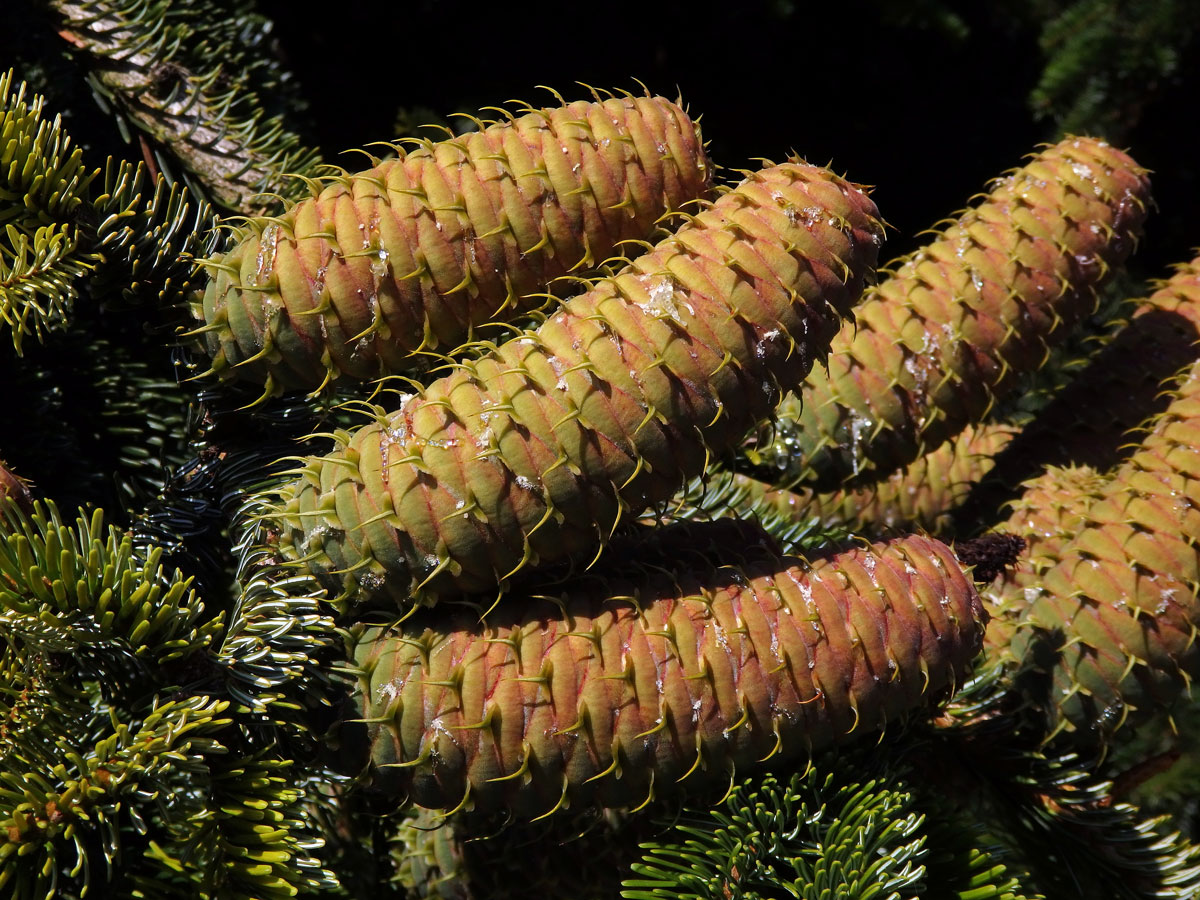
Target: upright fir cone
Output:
[
  {"x": 1091, "y": 420},
  {"x": 414, "y": 253},
  {"x": 1115, "y": 620},
  {"x": 1112, "y": 620},
  {"x": 1126, "y": 381},
  {"x": 951, "y": 329},
  {"x": 622, "y": 690},
  {"x": 539, "y": 449}
]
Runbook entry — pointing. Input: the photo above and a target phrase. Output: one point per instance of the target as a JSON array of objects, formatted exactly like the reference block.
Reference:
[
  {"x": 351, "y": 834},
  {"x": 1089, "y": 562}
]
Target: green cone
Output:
[
  {"x": 539, "y": 449},
  {"x": 1113, "y": 619}
]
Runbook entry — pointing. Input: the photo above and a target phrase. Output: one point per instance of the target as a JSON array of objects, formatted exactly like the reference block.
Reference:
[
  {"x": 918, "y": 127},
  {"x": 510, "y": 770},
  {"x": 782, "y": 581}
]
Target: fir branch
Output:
[
  {"x": 720, "y": 493},
  {"x": 138, "y": 427},
  {"x": 251, "y": 837},
  {"x": 64, "y": 589},
  {"x": 43, "y": 183},
  {"x": 200, "y": 503},
  {"x": 193, "y": 78},
  {"x": 1079, "y": 843},
  {"x": 138, "y": 237},
  {"x": 149, "y": 233},
  {"x": 1158, "y": 770},
  {"x": 845, "y": 826},
  {"x": 38, "y": 273},
  {"x": 111, "y": 770},
  {"x": 963, "y": 861},
  {"x": 100, "y": 791},
  {"x": 101, "y": 419},
  {"x": 280, "y": 629},
  {"x": 1099, "y": 78},
  {"x": 1063, "y": 832}
]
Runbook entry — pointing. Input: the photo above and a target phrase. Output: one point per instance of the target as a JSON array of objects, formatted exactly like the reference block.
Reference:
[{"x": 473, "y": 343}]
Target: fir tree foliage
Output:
[
  {"x": 125, "y": 760},
  {"x": 831, "y": 831},
  {"x": 149, "y": 232},
  {"x": 199, "y": 81},
  {"x": 280, "y": 631},
  {"x": 1097, "y": 846},
  {"x": 1048, "y": 812},
  {"x": 723, "y": 493},
  {"x": 43, "y": 182},
  {"x": 975, "y": 806},
  {"x": 64, "y": 220},
  {"x": 97, "y": 400},
  {"x": 102, "y": 417},
  {"x": 1098, "y": 77},
  {"x": 856, "y": 825},
  {"x": 86, "y": 623}
]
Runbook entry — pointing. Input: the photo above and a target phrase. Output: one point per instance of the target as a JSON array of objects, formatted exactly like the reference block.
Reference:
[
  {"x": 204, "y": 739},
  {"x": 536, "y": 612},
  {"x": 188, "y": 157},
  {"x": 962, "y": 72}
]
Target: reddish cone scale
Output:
[
  {"x": 14, "y": 488},
  {"x": 540, "y": 448},
  {"x": 599, "y": 698},
  {"x": 949, "y": 331},
  {"x": 414, "y": 253}
]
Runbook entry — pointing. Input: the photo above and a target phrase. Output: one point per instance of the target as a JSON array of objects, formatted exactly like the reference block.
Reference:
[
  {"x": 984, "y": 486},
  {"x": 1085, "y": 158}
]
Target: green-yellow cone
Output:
[
  {"x": 1058, "y": 512},
  {"x": 539, "y": 449},
  {"x": 920, "y": 496}
]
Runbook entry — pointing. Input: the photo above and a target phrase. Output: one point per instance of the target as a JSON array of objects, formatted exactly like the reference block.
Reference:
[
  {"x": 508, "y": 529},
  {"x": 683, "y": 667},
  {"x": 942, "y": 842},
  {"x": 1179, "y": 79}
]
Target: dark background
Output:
[{"x": 926, "y": 100}]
